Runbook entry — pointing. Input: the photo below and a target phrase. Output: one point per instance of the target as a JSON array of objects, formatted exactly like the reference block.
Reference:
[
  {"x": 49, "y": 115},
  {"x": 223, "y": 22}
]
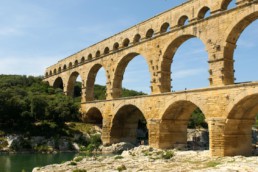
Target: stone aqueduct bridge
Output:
[{"x": 229, "y": 108}]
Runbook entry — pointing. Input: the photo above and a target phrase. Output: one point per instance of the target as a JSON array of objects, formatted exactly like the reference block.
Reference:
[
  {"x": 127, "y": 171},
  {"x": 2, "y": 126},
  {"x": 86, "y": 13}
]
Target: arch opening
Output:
[
  {"x": 82, "y": 59},
  {"x": 183, "y": 21},
  {"x": 50, "y": 73},
  {"x": 64, "y": 67},
  {"x": 90, "y": 57},
  {"x": 59, "y": 83},
  {"x": 244, "y": 37},
  {"x": 74, "y": 87},
  {"x": 184, "y": 126},
  {"x": 165, "y": 28},
  {"x": 149, "y": 33},
  {"x": 93, "y": 116},
  {"x": 96, "y": 83},
  {"x": 97, "y": 54},
  {"x": 125, "y": 83},
  {"x": 126, "y": 42},
  {"x": 137, "y": 38},
  {"x": 240, "y": 124},
  {"x": 115, "y": 46},
  {"x": 204, "y": 13},
  {"x": 189, "y": 69},
  {"x": 70, "y": 65},
  {"x": 228, "y": 4},
  {"x": 76, "y": 63},
  {"x": 129, "y": 125},
  {"x": 106, "y": 50},
  {"x": 59, "y": 70},
  {"x": 54, "y": 71}
]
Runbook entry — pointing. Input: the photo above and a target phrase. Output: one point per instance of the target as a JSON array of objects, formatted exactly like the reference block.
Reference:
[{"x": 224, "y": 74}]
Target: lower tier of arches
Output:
[{"x": 162, "y": 120}]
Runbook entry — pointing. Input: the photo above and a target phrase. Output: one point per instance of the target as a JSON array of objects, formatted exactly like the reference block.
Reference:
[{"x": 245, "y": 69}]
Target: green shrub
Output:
[
  {"x": 94, "y": 143},
  {"x": 79, "y": 170},
  {"x": 3, "y": 143},
  {"x": 119, "y": 157},
  {"x": 212, "y": 163},
  {"x": 42, "y": 148},
  {"x": 78, "y": 158},
  {"x": 2, "y": 133},
  {"x": 167, "y": 154},
  {"x": 72, "y": 163},
  {"x": 121, "y": 168}
]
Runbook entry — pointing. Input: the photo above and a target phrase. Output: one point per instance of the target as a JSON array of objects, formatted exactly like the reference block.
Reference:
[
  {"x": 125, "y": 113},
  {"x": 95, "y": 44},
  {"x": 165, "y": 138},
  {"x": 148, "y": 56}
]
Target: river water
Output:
[{"x": 27, "y": 161}]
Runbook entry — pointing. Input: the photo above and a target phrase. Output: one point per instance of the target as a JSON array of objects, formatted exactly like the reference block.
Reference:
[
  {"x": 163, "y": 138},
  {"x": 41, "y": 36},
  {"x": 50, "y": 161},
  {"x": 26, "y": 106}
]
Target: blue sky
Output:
[{"x": 35, "y": 34}]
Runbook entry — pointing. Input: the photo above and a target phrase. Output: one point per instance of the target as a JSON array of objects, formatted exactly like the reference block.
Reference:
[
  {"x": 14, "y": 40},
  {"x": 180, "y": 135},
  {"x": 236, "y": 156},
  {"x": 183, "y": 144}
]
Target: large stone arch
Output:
[
  {"x": 120, "y": 70},
  {"x": 93, "y": 116},
  {"x": 245, "y": 109},
  {"x": 90, "y": 81},
  {"x": 232, "y": 36},
  {"x": 173, "y": 123},
  {"x": 240, "y": 97},
  {"x": 184, "y": 101},
  {"x": 133, "y": 103},
  {"x": 125, "y": 124},
  {"x": 170, "y": 50},
  {"x": 71, "y": 82},
  {"x": 238, "y": 125},
  {"x": 58, "y": 83}
]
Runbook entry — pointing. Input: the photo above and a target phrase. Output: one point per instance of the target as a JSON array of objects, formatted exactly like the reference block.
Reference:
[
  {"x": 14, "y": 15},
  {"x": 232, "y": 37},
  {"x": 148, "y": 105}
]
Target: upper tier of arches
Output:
[{"x": 163, "y": 26}]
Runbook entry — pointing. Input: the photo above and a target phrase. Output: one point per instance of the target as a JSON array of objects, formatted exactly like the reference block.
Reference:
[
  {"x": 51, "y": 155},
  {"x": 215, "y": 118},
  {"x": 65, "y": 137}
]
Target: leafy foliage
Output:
[
  {"x": 24, "y": 100},
  {"x": 100, "y": 92},
  {"x": 197, "y": 119}
]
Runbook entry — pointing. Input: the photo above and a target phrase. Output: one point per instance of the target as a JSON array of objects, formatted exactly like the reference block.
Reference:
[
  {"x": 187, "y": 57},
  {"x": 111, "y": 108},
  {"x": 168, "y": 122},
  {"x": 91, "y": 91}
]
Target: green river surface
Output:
[{"x": 27, "y": 161}]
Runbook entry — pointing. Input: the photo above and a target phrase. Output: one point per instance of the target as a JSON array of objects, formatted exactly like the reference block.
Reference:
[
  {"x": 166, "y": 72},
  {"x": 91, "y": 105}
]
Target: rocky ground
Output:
[{"x": 145, "y": 158}]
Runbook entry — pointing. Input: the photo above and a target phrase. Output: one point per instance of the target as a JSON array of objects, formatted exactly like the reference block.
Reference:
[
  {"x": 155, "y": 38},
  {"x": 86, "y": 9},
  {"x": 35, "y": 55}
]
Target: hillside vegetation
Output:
[
  {"x": 100, "y": 92},
  {"x": 28, "y": 105}
]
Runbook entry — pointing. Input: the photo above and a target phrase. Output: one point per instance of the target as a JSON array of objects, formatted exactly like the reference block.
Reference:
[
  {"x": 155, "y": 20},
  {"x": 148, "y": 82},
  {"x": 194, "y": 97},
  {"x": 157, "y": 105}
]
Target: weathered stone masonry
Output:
[{"x": 229, "y": 108}]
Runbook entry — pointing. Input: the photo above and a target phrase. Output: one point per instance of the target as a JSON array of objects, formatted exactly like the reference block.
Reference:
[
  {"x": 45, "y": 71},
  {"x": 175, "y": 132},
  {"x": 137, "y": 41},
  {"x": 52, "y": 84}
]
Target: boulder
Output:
[
  {"x": 117, "y": 148},
  {"x": 64, "y": 145},
  {"x": 37, "y": 140}
]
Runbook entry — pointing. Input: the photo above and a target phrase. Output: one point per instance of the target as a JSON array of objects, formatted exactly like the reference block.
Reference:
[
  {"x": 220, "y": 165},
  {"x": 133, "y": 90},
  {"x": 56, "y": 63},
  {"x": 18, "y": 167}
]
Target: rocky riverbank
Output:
[
  {"x": 80, "y": 138},
  {"x": 145, "y": 158}
]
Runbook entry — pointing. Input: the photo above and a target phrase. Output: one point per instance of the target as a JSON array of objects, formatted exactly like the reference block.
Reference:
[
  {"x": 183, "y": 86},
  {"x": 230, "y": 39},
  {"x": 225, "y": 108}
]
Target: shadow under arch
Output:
[
  {"x": 120, "y": 70},
  {"x": 91, "y": 80},
  {"x": 238, "y": 128},
  {"x": 174, "y": 123},
  {"x": 93, "y": 116},
  {"x": 167, "y": 59},
  {"x": 58, "y": 83},
  {"x": 129, "y": 125},
  {"x": 231, "y": 41},
  {"x": 71, "y": 83}
]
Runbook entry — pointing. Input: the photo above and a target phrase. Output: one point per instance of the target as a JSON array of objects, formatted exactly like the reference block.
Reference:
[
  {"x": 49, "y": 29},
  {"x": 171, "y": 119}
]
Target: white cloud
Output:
[
  {"x": 100, "y": 31},
  {"x": 246, "y": 43},
  {"x": 187, "y": 73},
  {"x": 29, "y": 65},
  {"x": 7, "y": 31}
]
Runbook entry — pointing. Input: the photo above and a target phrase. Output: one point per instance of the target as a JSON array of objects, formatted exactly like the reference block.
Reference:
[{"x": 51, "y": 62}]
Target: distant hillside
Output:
[
  {"x": 28, "y": 99},
  {"x": 100, "y": 92}
]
